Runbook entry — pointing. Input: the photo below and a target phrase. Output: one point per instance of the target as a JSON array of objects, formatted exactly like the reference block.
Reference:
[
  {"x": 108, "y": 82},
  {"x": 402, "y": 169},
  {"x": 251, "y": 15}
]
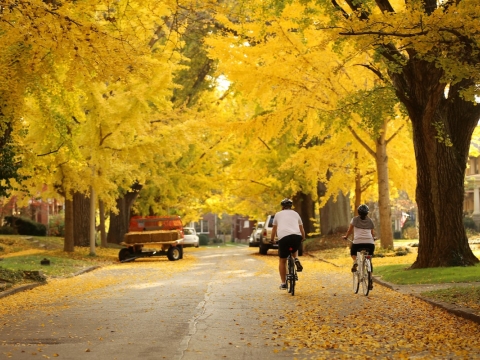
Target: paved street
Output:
[
  {"x": 208, "y": 309},
  {"x": 224, "y": 304}
]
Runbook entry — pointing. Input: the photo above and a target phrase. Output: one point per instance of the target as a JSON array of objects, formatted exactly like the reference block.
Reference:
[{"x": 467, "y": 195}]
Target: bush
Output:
[
  {"x": 56, "y": 225},
  {"x": 468, "y": 223},
  {"x": 217, "y": 241},
  {"x": 397, "y": 234},
  {"x": 408, "y": 224},
  {"x": 7, "y": 230},
  {"x": 203, "y": 239},
  {"x": 410, "y": 233},
  {"x": 26, "y": 226}
]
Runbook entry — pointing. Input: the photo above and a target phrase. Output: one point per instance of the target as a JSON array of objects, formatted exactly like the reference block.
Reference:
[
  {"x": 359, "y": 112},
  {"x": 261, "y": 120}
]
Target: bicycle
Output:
[
  {"x": 292, "y": 276},
  {"x": 363, "y": 273}
]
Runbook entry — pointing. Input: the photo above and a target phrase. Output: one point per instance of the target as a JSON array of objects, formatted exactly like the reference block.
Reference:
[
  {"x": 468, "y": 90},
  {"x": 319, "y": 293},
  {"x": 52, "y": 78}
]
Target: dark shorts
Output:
[
  {"x": 288, "y": 242},
  {"x": 357, "y": 247}
]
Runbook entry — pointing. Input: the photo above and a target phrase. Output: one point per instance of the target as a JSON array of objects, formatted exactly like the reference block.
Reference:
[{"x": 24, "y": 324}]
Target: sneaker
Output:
[
  {"x": 354, "y": 267},
  {"x": 299, "y": 266},
  {"x": 283, "y": 286}
]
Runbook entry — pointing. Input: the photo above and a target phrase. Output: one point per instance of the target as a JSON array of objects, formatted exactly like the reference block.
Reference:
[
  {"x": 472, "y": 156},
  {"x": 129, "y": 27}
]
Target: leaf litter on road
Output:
[{"x": 325, "y": 319}]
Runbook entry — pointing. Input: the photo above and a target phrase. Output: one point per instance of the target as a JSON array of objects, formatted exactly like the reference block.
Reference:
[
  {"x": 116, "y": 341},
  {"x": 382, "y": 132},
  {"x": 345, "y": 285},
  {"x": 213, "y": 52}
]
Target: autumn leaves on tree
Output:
[{"x": 98, "y": 97}]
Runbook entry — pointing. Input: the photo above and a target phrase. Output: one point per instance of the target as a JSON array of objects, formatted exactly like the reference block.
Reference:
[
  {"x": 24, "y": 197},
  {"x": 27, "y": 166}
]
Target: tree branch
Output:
[
  {"x": 53, "y": 151},
  {"x": 363, "y": 143},
  {"x": 264, "y": 143},
  {"x": 394, "y": 134}
]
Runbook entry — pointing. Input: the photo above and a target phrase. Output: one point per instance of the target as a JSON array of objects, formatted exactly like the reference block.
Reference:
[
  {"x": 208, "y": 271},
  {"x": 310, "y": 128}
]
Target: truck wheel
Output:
[
  {"x": 174, "y": 253},
  {"x": 124, "y": 254},
  {"x": 263, "y": 249}
]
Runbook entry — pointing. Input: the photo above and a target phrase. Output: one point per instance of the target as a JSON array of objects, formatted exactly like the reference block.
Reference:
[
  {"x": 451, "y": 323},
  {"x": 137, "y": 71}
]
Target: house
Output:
[{"x": 237, "y": 227}]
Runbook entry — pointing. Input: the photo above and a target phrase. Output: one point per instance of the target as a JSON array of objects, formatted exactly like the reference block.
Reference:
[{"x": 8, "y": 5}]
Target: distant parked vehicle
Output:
[
  {"x": 254, "y": 239},
  {"x": 266, "y": 233},
  {"x": 190, "y": 237},
  {"x": 265, "y": 243}
]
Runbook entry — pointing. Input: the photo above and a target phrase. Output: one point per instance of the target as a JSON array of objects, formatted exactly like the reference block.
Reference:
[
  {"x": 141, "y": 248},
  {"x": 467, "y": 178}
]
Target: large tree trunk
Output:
[
  {"x": 335, "y": 215},
  {"x": 442, "y": 130},
  {"x": 81, "y": 219},
  {"x": 119, "y": 222},
  {"x": 381, "y": 161},
  {"x": 304, "y": 205},
  {"x": 69, "y": 244}
]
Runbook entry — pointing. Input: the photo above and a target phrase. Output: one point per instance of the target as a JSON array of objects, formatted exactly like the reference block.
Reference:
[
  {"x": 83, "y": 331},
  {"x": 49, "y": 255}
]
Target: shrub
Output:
[
  {"x": 203, "y": 239},
  {"x": 56, "y": 225},
  {"x": 26, "y": 226},
  {"x": 468, "y": 223},
  {"x": 7, "y": 230},
  {"x": 397, "y": 234},
  {"x": 410, "y": 233},
  {"x": 408, "y": 224},
  {"x": 217, "y": 241}
]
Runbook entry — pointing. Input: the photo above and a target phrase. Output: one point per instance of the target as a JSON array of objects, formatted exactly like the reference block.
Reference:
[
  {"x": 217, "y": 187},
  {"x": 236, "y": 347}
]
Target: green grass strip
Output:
[{"x": 401, "y": 275}]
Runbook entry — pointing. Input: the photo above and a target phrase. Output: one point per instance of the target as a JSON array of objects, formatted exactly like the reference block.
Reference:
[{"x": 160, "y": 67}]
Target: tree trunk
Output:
[
  {"x": 103, "y": 234},
  {"x": 119, "y": 222},
  {"x": 81, "y": 219},
  {"x": 381, "y": 161},
  {"x": 335, "y": 216},
  {"x": 442, "y": 130},
  {"x": 304, "y": 205},
  {"x": 68, "y": 244},
  {"x": 358, "y": 184}
]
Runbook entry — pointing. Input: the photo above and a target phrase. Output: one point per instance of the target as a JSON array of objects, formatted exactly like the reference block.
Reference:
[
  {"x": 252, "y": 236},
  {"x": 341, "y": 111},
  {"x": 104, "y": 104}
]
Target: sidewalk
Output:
[{"x": 416, "y": 290}]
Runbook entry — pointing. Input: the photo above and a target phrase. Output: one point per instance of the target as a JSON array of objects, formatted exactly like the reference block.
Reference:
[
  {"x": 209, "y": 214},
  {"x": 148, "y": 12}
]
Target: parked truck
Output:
[{"x": 153, "y": 236}]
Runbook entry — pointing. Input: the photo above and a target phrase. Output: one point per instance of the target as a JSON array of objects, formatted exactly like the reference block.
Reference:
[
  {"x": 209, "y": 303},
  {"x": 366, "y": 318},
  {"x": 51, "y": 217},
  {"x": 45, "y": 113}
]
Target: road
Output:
[
  {"x": 217, "y": 306},
  {"x": 224, "y": 303}
]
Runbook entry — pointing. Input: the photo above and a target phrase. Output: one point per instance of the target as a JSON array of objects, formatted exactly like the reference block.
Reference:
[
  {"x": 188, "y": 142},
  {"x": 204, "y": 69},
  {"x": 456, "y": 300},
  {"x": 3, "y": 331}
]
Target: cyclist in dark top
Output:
[{"x": 288, "y": 226}]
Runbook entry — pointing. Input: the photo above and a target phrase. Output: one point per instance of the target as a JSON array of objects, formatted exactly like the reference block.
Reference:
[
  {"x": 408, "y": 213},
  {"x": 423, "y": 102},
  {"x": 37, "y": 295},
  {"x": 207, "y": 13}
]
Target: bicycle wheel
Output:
[
  {"x": 356, "y": 282},
  {"x": 290, "y": 276},
  {"x": 366, "y": 277}
]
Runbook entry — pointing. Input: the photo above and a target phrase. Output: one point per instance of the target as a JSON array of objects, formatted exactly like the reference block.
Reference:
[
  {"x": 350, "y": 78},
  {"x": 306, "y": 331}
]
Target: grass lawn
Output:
[
  {"x": 468, "y": 296},
  {"x": 20, "y": 253},
  {"x": 399, "y": 274},
  {"x": 59, "y": 266}
]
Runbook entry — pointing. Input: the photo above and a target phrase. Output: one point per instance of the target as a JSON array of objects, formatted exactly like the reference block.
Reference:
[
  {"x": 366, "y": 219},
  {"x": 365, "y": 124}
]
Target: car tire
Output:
[{"x": 263, "y": 249}]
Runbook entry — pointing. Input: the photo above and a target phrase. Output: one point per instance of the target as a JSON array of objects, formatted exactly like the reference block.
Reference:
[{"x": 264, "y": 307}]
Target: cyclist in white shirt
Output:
[{"x": 288, "y": 226}]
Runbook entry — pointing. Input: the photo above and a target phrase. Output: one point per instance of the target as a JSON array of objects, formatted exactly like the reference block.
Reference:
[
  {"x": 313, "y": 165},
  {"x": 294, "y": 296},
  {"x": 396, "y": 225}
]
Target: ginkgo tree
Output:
[
  {"x": 86, "y": 115},
  {"x": 428, "y": 50},
  {"x": 299, "y": 82}
]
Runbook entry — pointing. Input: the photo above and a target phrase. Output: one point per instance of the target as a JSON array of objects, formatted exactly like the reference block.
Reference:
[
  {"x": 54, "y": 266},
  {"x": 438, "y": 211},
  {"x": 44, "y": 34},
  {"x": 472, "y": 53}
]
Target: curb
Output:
[
  {"x": 465, "y": 313},
  {"x": 34, "y": 285},
  {"x": 18, "y": 289}
]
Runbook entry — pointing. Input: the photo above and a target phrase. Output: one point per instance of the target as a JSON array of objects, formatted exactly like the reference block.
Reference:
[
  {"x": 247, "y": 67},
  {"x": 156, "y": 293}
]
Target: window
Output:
[{"x": 202, "y": 226}]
